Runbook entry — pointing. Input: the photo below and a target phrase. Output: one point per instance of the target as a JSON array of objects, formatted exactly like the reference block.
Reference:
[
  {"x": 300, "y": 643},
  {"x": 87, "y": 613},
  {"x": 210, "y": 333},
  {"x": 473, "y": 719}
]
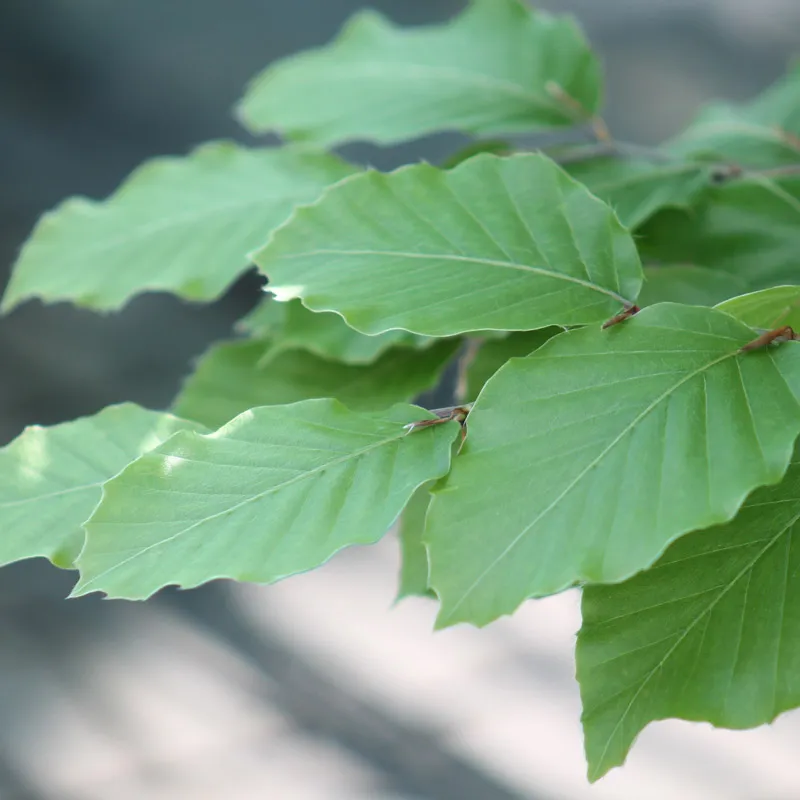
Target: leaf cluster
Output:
[{"x": 619, "y": 319}]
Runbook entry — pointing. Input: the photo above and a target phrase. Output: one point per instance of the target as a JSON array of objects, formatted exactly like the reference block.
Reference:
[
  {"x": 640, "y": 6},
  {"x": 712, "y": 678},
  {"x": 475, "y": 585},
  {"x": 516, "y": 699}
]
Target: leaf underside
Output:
[{"x": 601, "y": 448}]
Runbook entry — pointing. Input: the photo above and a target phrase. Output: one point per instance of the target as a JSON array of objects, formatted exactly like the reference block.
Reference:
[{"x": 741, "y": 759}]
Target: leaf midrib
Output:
[{"x": 459, "y": 259}]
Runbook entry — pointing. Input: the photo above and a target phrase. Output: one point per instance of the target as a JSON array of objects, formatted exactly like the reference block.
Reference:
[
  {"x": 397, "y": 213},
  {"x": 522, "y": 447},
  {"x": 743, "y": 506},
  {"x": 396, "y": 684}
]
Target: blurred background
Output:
[{"x": 317, "y": 688}]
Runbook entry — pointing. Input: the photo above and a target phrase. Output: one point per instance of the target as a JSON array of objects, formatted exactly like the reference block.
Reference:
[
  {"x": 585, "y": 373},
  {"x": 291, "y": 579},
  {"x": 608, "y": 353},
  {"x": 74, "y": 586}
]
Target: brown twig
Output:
[
  {"x": 626, "y": 313},
  {"x": 776, "y": 336}
]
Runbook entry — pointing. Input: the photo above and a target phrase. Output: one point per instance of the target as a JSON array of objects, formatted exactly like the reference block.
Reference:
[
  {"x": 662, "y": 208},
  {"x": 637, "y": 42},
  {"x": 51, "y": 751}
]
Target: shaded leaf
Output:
[
  {"x": 292, "y": 326},
  {"x": 493, "y": 354},
  {"x": 710, "y": 633},
  {"x": 584, "y": 460},
  {"x": 686, "y": 283},
  {"x": 769, "y": 308},
  {"x": 52, "y": 477},
  {"x": 747, "y": 227},
  {"x": 413, "y": 557},
  {"x": 184, "y": 225},
  {"x": 276, "y": 491},
  {"x": 637, "y": 188},
  {"x": 497, "y": 68},
  {"x": 760, "y": 134},
  {"x": 230, "y": 379},
  {"x": 496, "y": 243}
]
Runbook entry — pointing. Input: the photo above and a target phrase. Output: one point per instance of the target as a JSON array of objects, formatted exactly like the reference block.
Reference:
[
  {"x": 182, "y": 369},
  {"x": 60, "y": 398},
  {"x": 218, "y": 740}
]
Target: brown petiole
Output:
[
  {"x": 626, "y": 313},
  {"x": 776, "y": 336},
  {"x": 457, "y": 413}
]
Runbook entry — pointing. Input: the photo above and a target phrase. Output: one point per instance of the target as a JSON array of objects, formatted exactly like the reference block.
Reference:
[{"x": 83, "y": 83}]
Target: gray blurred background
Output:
[{"x": 315, "y": 688}]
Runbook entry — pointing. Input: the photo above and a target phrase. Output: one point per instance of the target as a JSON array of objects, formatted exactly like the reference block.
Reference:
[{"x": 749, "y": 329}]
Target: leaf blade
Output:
[
  {"x": 496, "y": 244},
  {"x": 553, "y": 442},
  {"x": 435, "y": 78},
  {"x": 278, "y": 490},
  {"x": 184, "y": 225}
]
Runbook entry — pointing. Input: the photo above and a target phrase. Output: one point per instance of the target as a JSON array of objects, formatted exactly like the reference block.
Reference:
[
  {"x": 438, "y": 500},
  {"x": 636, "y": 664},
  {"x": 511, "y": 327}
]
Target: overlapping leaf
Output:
[
  {"x": 636, "y": 187},
  {"x": 584, "y": 460},
  {"x": 231, "y": 378},
  {"x": 413, "y": 557},
  {"x": 686, "y": 283},
  {"x": 292, "y": 326},
  {"x": 747, "y": 227},
  {"x": 769, "y": 308},
  {"x": 711, "y": 632},
  {"x": 494, "y": 353},
  {"x": 498, "y": 68},
  {"x": 52, "y": 477},
  {"x": 184, "y": 225},
  {"x": 496, "y": 243},
  {"x": 762, "y": 134},
  {"x": 276, "y": 491}
]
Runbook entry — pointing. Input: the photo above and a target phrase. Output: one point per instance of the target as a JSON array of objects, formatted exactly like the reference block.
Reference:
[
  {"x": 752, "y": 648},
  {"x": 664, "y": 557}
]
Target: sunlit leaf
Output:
[
  {"x": 413, "y": 558},
  {"x": 710, "y": 633},
  {"x": 762, "y": 134},
  {"x": 184, "y": 225},
  {"x": 231, "y": 378},
  {"x": 747, "y": 227},
  {"x": 584, "y": 460},
  {"x": 769, "y": 308},
  {"x": 276, "y": 491},
  {"x": 292, "y": 326},
  {"x": 686, "y": 283},
  {"x": 496, "y": 243},
  {"x": 52, "y": 477},
  {"x": 498, "y": 68},
  {"x": 637, "y": 188}
]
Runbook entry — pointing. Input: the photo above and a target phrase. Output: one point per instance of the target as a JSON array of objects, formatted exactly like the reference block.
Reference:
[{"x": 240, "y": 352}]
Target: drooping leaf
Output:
[
  {"x": 493, "y": 354},
  {"x": 762, "y": 134},
  {"x": 747, "y": 227},
  {"x": 184, "y": 225},
  {"x": 276, "y": 491},
  {"x": 498, "y": 68},
  {"x": 496, "y": 243},
  {"x": 710, "y": 633},
  {"x": 637, "y": 188},
  {"x": 769, "y": 308},
  {"x": 292, "y": 326},
  {"x": 413, "y": 557},
  {"x": 688, "y": 284},
  {"x": 52, "y": 477},
  {"x": 584, "y": 460},
  {"x": 231, "y": 378}
]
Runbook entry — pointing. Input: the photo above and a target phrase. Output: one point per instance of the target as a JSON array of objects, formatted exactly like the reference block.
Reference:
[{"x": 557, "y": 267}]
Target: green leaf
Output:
[
  {"x": 747, "y": 227},
  {"x": 710, "y": 633},
  {"x": 276, "y": 491},
  {"x": 52, "y": 477},
  {"x": 496, "y": 244},
  {"x": 498, "y": 68},
  {"x": 584, "y": 460},
  {"x": 688, "y": 284},
  {"x": 231, "y": 378},
  {"x": 493, "y": 354},
  {"x": 184, "y": 225},
  {"x": 768, "y": 308},
  {"x": 413, "y": 557},
  {"x": 761, "y": 134},
  {"x": 292, "y": 326},
  {"x": 637, "y": 188}
]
